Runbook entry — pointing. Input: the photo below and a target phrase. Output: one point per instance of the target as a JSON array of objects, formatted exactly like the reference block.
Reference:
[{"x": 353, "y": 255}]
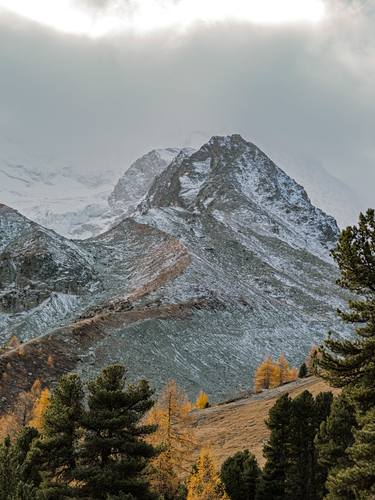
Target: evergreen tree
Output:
[
  {"x": 17, "y": 478},
  {"x": 300, "y": 468},
  {"x": 55, "y": 452},
  {"x": 6, "y": 469},
  {"x": 335, "y": 436},
  {"x": 302, "y": 372},
  {"x": 114, "y": 454},
  {"x": 272, "y": 484},
  {"x": 323, "y": 405},
  {"x": 240, "y": 474},
  {"x": 350, "y": 363}
]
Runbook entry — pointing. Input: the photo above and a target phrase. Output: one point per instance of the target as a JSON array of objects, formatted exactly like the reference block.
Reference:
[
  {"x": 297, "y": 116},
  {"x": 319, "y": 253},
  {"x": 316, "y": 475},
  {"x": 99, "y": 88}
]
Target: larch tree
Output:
[
  {"x": 202, "y": 401},
  {"x": 284, "y": 369},
  {"x": 39, "y": 409},
  {"x": 264, "y": 375},
  {"x": 171, "y": 416},
  {"x": 205, "y": 483},
  {"x": 350, "y": 362},
  {"x": 114, "y": 454}
]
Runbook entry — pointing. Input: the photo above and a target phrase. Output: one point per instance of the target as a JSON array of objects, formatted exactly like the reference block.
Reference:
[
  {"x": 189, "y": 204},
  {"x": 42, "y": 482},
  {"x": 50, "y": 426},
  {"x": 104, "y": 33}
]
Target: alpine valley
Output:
[{"x": 200, "y": 264}]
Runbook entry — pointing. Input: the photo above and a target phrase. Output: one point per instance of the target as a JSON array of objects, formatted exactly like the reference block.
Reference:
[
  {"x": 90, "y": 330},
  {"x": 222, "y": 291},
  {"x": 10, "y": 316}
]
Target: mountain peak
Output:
[{"x": 228, "y": 177}]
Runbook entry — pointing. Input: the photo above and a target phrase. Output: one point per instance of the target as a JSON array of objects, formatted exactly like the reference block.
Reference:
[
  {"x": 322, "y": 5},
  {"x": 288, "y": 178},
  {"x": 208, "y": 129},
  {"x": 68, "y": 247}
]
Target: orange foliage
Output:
[
  {"x": 39, "y": 409},
  {"x": 205, "y": 482},
  {"x": 270, "y": 374},
  {"x": 171, "y": 415},
  {"x": 202, "y": 401}
]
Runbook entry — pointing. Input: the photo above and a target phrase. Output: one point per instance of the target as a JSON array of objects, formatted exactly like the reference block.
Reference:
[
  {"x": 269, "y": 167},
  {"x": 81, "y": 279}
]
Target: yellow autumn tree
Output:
[
  {"x": 284, "y": 369},
  {"x": 39, "y": 409},
  {"x": 292, "y": 374},
  {"x": 11, "y": 423},
  {"x": 205, "y": 483},
  {"x": 202, "y": 401},
  {"x": 264, "y": 375},
  {"x": 25, "y": 404},
  {"x": 171, "y": 415}
]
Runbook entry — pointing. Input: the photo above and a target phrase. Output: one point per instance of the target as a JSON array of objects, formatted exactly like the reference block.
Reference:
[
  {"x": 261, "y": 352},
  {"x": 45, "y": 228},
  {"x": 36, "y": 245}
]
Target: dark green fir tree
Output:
[
  {"x": 272, "y": 483},
  {"x": 300, "y": 481},
  {"x": 302, "y": 372},
  {"x": 240, "y": 474},
  {"x": 114, "y": 454},
  {"x": 55, "y": 452},
  {"x": 334, "y": 438},
  {"x": 18, "y": 480},
  {"x": 350, "y": 362}
]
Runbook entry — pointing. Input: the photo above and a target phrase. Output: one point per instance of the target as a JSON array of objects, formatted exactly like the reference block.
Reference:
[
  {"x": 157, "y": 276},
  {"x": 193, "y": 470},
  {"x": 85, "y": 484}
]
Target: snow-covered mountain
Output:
[
  {"x": 224, "y": 260},
  {"x": 136, "y": 181}
]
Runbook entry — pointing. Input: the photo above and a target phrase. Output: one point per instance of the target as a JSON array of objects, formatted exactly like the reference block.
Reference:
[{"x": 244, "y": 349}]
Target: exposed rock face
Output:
[
  {"x": 235, "y": 181},
  {"x": 224, "y": 261},
  {"x": 135, "y": 182},
  {"x": 36, "y": 262}
]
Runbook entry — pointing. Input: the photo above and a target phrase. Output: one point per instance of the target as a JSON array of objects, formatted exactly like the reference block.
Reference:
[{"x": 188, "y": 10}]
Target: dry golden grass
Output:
[{"x": 235, "y": 426}]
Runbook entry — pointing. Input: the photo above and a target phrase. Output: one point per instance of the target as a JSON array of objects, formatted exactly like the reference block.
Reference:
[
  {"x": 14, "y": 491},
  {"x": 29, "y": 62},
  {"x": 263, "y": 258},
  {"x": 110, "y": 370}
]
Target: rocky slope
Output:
[{"x": 224, "y": 261}]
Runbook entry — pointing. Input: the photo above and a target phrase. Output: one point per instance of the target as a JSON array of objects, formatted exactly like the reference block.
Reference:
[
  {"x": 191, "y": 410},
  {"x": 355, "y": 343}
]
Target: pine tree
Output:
[
  {"x": 205, "y": 482},
  {"x": 171, "y": 416},
  {"x": 272, "y": 484},
  {"x": 300, "y": 469},
  {"x": 302, "y": 373},
  {"x": 335, "y": 436},
  {"x": 17, "y": 479},
  {"x": 6, "y": 470},
  {"x": 240, "y": 474},
  {"x": 114, "y": 453},
  {"x": 350, "y": 363},
  {"x": 55, "y": 452}
]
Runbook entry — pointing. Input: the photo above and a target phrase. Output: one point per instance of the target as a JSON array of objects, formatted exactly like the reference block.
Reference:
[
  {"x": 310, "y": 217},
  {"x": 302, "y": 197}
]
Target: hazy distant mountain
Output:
[
  {"x": 224, "y": 261},
  {"x": 78, "y": 205}
]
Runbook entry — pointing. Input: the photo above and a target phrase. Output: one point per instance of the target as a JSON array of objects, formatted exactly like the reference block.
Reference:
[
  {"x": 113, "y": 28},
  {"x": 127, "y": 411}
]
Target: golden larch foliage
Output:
[
  {"x": 205, "y": 483},
  {"x": 263, "y": 375},
  {"x": 292, "y": 375},
  {"x": 284, "y": 369},
  {"x": 171, "y": 415},
  {"x": 12, "y": 423},
  {"x": 202, "y": 401},
  {"x": 269, "y": 374},
  {"x": 39, "y": 409}
]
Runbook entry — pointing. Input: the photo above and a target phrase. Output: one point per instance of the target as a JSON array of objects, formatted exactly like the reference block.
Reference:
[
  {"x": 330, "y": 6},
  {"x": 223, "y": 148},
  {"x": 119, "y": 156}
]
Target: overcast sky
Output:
[{"x": 303, "y": 89}]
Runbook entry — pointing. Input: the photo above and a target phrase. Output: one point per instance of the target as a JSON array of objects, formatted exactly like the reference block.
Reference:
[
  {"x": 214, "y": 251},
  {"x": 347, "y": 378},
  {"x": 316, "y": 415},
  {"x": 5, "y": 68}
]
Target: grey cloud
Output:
[{"x": 301, "y": 91}]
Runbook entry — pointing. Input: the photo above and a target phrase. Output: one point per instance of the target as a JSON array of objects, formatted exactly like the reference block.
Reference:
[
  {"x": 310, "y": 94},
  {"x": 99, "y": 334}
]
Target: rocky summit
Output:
[{"x": 223, "y": 261}]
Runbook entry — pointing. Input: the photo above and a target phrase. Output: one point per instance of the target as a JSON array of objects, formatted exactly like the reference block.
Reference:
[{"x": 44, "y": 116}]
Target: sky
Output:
[{"x": 94, "y": 84}]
